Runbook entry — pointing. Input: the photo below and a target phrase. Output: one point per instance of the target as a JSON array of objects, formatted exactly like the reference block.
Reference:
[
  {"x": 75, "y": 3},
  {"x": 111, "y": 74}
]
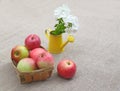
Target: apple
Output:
[
  {"x": 19, "y": 52},
  {"x": 45, "y": 60},
  {"x": 26, "y": 65},
  {"x": 66, "y": 68},
  {"x": 32, "y": 41},
  {"x": 36, "y": 52}
]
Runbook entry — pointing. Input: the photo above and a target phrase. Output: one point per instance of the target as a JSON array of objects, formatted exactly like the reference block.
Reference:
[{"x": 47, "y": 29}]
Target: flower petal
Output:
[{"x": 62, "y": 11}]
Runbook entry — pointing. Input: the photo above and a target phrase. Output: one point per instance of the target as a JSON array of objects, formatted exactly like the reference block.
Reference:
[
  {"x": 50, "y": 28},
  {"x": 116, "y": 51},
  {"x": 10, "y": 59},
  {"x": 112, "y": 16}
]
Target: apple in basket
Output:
[
  {"x": 26, "y": 65},
  {"x": 45, "y": 60},
  {"x": 66, "y": 69},
  {"x": 36, "y": 52},
  {"x": 32, "y": 41},
  {"x": 19, "y": 52}
]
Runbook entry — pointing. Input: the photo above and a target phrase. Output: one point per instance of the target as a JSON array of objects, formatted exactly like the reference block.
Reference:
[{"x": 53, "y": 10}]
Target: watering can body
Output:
[{"x": 55, "y": 43}]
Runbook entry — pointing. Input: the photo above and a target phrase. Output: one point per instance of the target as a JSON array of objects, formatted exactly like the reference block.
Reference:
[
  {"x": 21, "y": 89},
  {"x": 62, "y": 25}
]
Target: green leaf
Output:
[
  {"x": 69, "y": 25},
  {"x": 56, "y": 25},
  {"x": 59, "y": 27}
]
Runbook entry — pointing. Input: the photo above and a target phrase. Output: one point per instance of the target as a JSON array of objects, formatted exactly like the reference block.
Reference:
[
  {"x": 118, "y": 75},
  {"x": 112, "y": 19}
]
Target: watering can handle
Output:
[{"x": 47, "y": 31}]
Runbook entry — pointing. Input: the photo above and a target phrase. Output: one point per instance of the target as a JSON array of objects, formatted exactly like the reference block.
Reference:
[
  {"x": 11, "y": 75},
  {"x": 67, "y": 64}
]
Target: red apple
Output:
[
  {"x": 36, "y": 52},
  {"x": 19, "y": 52},
  {"x": 45, "y": 60},
  {"x": 32, "y": 41},
  {"x": 26, "y": 65},
  {"x": 66, "y": 69}
]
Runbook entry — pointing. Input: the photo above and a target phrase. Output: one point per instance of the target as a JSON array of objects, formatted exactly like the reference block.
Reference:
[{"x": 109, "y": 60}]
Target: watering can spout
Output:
[{"x": 69, "y": 39}]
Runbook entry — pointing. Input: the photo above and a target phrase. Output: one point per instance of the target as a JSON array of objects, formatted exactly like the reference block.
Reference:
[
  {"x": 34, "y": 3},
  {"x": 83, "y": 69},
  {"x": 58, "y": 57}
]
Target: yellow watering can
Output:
[{"x": 56, "y": 44}]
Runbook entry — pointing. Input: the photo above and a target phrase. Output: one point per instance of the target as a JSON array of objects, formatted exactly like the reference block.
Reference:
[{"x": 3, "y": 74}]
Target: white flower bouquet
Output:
[{"x": 66, "y": 22}]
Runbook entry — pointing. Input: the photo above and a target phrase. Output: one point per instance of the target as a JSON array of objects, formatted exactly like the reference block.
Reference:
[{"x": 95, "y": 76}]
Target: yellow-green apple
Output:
[
  {"x": 32, "y": 41},
  {"x": 26, "y": 65},
  {"x": 45, "y": 60},
  {"x": 36, "y": 52},
  {"x": 19, "y": 52},
  {"x": 66, "y": 68}
]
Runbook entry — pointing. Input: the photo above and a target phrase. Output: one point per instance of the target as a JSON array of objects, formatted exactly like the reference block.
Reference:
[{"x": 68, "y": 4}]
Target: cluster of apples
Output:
[{"x": 31, "y": 55}]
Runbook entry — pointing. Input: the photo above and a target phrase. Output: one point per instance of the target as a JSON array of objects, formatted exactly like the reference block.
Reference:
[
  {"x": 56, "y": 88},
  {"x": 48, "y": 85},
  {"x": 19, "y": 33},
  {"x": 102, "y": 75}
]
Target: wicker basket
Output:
[{"x": 36, "y": 75}]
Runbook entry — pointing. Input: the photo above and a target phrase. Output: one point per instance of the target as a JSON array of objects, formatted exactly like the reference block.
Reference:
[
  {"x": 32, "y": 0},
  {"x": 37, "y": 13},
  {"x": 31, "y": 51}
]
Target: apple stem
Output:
[
  {"x": 42, "y": 55},
  {"x": 32, "y": 38},
  {"x": 68, "y": 63},
  {"x": 17, "y": 53}
]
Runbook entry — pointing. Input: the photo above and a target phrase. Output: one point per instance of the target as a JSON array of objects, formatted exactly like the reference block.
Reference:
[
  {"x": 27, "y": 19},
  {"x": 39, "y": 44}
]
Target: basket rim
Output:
[{"x": 34, "y": 71}]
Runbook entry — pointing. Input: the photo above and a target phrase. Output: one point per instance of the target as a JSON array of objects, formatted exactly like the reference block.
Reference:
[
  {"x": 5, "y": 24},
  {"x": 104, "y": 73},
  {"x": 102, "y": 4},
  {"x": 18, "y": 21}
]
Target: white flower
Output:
[
  {"x": 62, "y": 12},
  {"x": 74, "y": 20},
  {"x": 70, "y": 21}
]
